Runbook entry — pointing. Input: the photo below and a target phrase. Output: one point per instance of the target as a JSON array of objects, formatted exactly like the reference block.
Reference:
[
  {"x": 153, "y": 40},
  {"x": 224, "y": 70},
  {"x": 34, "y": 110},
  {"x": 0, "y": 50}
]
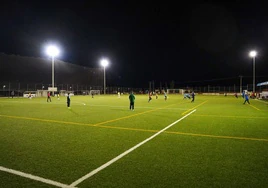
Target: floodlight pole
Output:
[
  {"x": 104, "y": 81},
  {"x": 104, "y": 63},
  {"x": 52, "y": 74},
  {"x": 241, "y": 84},
  {"x": 52, "y": 51},
  {"x": 253, "y": 74}
]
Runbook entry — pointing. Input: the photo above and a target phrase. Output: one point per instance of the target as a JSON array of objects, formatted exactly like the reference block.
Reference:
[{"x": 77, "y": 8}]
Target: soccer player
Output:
[
  {"x": 118, "y": 94},
  {"x": 131, "y": 101},
  {"x": 193, "y": 95},
  {"x": 156, "y": 95},
  {"x": 30, "y": 95},
  {"x": 12, "y": 94},
  {"x": 186, "y": 95},
  {"x": 243, "y": 94},
  {"x": 246, "y": 98},
  {"x": 236, "y": 95},
  {"x": 150, "y": 96},
  {"x": 48, "y": 96},
  {"x": 165, "y": 95},
  {"x": 68, "y": 100}
]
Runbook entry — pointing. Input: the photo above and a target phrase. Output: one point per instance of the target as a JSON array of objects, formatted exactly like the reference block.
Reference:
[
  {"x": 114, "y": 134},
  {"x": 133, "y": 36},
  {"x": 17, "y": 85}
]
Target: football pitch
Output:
[{"x": 215, "y": 141}]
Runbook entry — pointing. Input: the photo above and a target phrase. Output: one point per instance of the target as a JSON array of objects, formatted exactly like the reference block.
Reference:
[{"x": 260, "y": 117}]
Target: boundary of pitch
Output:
[
  {"x": 145, "y": 130},
  {"x": 88, "y": 124},
  {"x": 33, "y": 177},
  {"x": 92, "y": 173},
  {"x": 194, "y": 107},
  {"x": 78, "y": 181}
]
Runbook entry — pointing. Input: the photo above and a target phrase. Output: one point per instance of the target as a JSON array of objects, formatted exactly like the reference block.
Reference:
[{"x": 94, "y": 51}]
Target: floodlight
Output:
[
  {"x": 52, "y": 51},
  {"x": 104, "y": 62},
  {"x": 253, "y": 54}
]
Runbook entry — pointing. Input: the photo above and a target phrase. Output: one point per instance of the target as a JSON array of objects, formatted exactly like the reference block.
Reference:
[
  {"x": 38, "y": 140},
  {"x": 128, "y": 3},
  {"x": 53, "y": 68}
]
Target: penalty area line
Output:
[
  {"x": 75, "y": 183},
  {"x": 36, "y": 178}
]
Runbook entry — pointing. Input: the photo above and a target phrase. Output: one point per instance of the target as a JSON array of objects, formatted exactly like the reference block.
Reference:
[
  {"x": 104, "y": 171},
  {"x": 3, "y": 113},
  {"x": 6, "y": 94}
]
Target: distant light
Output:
[
  {"x": 252, "y": 53},
  {"x": 104, "y": 62},
  {"x": 52, "y": 51},
  {"x": 4, "y": 86}
]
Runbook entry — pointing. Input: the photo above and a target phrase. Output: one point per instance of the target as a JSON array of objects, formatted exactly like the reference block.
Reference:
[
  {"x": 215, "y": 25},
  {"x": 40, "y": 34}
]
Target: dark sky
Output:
[{"x": 188, "y": 43}]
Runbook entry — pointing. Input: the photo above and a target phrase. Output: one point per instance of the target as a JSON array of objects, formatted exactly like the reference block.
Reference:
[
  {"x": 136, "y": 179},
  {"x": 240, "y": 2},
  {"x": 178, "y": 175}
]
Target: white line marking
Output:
[
  {"x": 73, "y": 102},
  {"x": 261, "y": 101},
  {"x": 136, "y": 107},
  {"x": 36, "y": 178},
  {"x": 126, "y": 152}
]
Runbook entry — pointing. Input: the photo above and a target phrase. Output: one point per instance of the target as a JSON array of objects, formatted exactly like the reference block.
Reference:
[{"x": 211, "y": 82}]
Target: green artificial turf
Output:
[{"x": 224, "y": 143}]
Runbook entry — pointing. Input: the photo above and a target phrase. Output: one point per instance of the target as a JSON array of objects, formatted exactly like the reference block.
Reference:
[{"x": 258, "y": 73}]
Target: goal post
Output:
[
  {"x": 174, "y": 91},
  {"x": 94, "y": 92}
]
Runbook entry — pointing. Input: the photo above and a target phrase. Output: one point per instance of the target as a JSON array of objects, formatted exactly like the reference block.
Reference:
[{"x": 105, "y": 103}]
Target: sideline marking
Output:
[
  {"x": 262, "y": 101},
  {"x": 126, "y": 152},
  {"x": 46, "y": 120},
  {"x": 36, "y": 178},
  {"x": 125, "y": 117},
  {"x": 150, "y": 130},
  {"x": 193, "y": 108},
  {"x": 76, "y": 123},
  {"x": 215, "y": 136},
  {"x": 223, "y": 116},
  {"x": 188, "y": 134},
  {"x": 139, "y": 107},
  {"x": 254, "y": 107}
]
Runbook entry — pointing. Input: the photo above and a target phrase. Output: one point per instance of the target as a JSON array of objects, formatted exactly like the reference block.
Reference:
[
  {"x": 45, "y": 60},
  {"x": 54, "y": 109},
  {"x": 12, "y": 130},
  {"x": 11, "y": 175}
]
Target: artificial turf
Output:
[{"x": 222, "y": 144}]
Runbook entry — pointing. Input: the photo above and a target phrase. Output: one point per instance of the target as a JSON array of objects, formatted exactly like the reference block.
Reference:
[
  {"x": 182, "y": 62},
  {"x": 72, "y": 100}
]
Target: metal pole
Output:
[
  {"x": 19, "y": 89},
  {"x": 254, "y": 74},
  {"x": 104, "y": 83},
  {"x": 53, "y": 74},
  {"x": 9, "y": 89},
  {"x": 241, "y": 83}
]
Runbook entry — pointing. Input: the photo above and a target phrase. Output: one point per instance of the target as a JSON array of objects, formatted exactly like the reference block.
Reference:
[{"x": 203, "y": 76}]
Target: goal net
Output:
[
  {"x": 174, "y": 91},
  {"x": 94, "y": 92}
]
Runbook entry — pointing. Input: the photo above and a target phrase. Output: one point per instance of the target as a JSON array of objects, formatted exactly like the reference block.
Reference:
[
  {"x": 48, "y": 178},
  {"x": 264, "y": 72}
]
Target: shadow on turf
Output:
[
  {"x": 71, "y": 110},
  {"x": 122, "y": 109}
]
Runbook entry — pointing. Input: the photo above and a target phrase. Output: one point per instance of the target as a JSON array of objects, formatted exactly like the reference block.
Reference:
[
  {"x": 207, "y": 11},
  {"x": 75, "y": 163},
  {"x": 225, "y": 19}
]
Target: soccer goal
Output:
[
  {"x": 174, "y": 91},
  {"x": 94, "y": 92}
]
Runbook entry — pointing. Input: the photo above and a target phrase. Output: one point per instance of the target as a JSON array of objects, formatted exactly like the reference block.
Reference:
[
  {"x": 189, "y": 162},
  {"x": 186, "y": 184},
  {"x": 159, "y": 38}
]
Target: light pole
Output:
[
  {"x": 104, "y": 63},
  {"x": 253, "y": 55},
  {"x": 241, "y": 83},
  {"x": 4, "y": 86},
  {"x": 52, "y": 51}
]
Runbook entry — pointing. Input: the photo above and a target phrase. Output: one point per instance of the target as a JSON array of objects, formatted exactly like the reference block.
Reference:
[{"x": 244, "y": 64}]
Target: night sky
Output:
[{"x": 196, "y": 43}]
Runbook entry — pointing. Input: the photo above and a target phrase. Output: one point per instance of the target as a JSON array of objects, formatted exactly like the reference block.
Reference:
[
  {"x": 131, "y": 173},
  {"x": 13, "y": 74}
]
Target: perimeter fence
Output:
[{"x": 19, "y": 89}]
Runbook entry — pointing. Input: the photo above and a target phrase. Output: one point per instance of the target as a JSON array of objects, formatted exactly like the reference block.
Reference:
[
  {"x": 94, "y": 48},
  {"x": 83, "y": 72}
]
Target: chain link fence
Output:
[{"x": 79, "y": 89}]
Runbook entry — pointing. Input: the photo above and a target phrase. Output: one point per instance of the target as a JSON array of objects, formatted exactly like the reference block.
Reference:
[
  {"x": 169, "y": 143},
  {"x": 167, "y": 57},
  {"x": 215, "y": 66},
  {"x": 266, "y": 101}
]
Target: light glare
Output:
[
  {"x": 252, "y": 53},
  {"x": 104, "y": 62},
  {"x": 52, "y": 51}
]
